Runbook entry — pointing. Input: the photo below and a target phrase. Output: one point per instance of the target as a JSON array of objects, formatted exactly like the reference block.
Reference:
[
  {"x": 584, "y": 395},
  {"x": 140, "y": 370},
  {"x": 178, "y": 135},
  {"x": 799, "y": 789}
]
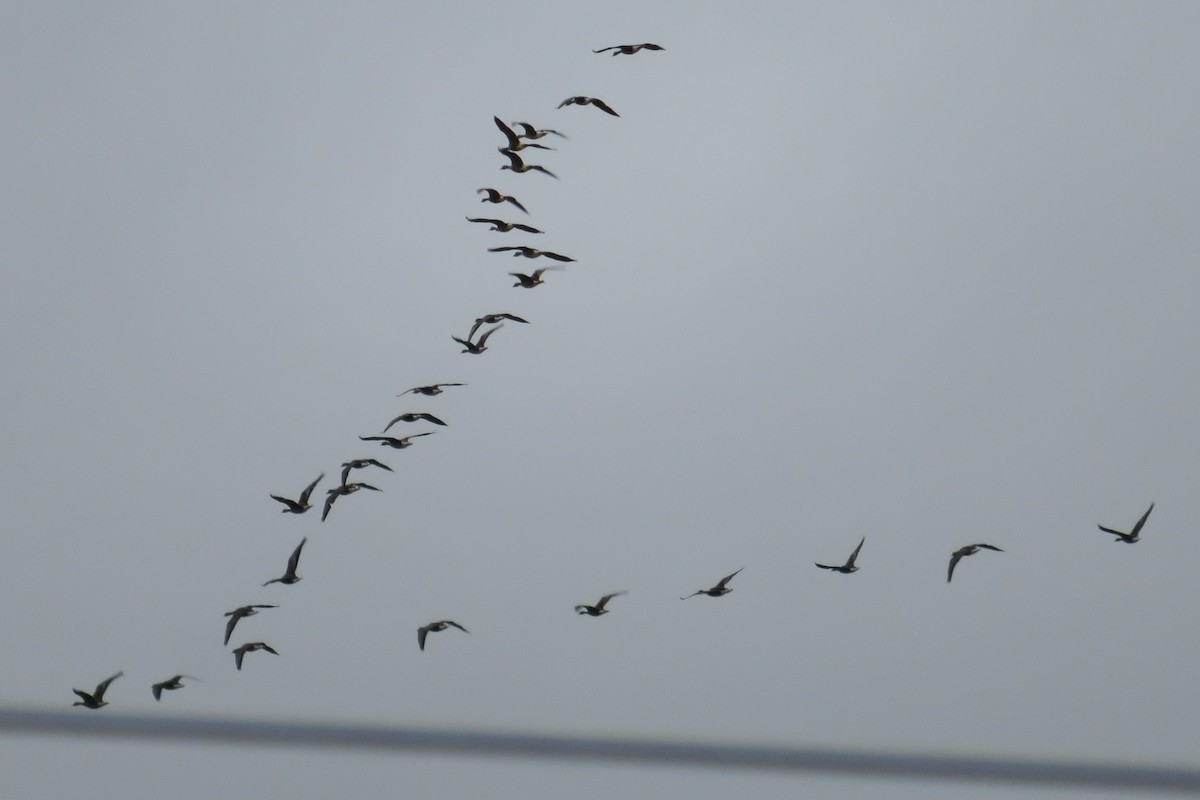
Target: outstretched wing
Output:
[
  {"x": 854, "y": 555},
  {"x": 309, "y": 490},
  {"x": 1138, "y": 527},
  {"x": 600, "y": 104}
]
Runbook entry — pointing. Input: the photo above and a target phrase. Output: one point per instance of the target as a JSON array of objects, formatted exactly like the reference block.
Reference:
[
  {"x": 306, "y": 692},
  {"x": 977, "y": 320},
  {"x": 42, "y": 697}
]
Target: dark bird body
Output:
[
  {"x": 301, "y": 505},
  {"x": 599, "y": 608},
  {"x": 1135, "y": 534},
  {"x": 529, "y": 252},
  {"x": 720, "y": 589},
  {"x": 171, "y": 684},
  {"x": 494, "y": 196},
  {"x": 849, "y": 566},
  {"x": 629, "y": 49},
  {"x": 477, "y": 347},
  {"x": 969, "y": 550},
  {"x": 430, "y": 390},
  {"x": 501, "y": 226},
  {"x": 517, "y": 164},
  {"x": 360, "y": 463},
  {"x": 239, "y": 614},
  {"x": 530, "y": 281},
  {"x": 492, "y": 319},
  {"x": 514, "y": 141},
  {"x": 341, "y": 491},
  {"x": 389, "y": 441},
  {"x": 580, "y": 100},
  {"x": 250, "y": 647},
  {"x": 96, "y": 698},
  {"x": 434, "y": 627},
  {"x": 290, "y": 576},
  {"x": 414, "y": 416}
]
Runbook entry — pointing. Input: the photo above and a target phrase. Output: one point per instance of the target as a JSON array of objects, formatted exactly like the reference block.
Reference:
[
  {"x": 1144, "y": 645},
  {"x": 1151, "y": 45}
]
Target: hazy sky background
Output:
[{"x": 921, "y": 272}]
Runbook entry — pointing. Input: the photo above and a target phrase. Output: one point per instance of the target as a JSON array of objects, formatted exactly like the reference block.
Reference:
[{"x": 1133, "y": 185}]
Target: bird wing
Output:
[
  {"x": 514, "y": 318},
  {"x": 430, "y": 418},
  {"x": 727, "y": 579},
  {"x": 825, "y": 566},
  {"x": 454, "y": 624},
  {"x": 309, "y": 490},
  {"x": 1115, "y": 533},
  {"x": 556, "y": 256},
  {"x": 268, "y": 648},
  {"x": 606, "y": 49},
  {"x": 989, "y": 547},
  {"x": 502, "y": 249},
  {"x": 540, "y": 168},
  {"x": 492, "y": 194},
  {"x": 102, "y": 687},
  {"x": 87, "y": 698},
  {"x": 421, "y": 634},
  {"x": 954, "y": 559},
  {"x": 527, "y": 228},
  {"x": 291, "y": 504},
  {"x": 693, "y": 594},
  {"x": 489, "y": 332},
  {"x": 233, "y": 621},
  {"x": 651, "y": 46},
  {"x": 483, "y": 219},
  {"x": 1138, "y": 527},
  {"x": 517, "y": 162},
  {"x": 513, "y": 141},
  {"x": 604, "y": 600},
  {"x": 600, "y": 104},
  {"x": 570, "y": 101},
  {"x": 513, "y": 200},
  {"x": 854, "y": 555}
]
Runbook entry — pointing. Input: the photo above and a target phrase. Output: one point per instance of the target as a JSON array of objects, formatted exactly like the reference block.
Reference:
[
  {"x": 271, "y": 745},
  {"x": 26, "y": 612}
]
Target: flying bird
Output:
[
  {"x": 494, "y": 196},
  {"x": 969, "y": 550},
  {"x": 430, "y": 390},
  {"x": 413, "y": 416},
  {"x": 250, "y": 647},
  {"x": 1135, "y": 534},
  {"x": 492, "y": 319},
  {"x": 477, "y": 347},
  {"x": 599, "y": 608},
  {"x": 501, "y": 226},
  {"x": 238, "y": 614},
  {"x": 340, "y": 491},
  {"x": 849, "y": 566},
  {"x": 531, "y": 132},
  {"x": 629, "y": 49},
  {"x": 171, "y": 684},
  {"x": 517, "y": 164},
  {"x": 717, "y": 590},
  {"x": 301, "y": 505},
  {"x": 580, "y": 100},
  {"x": 290, "y": 576},
  {"x": 530, "y": 281},
  {"x": 514, "y": 141},
  {"x": 96, "y": 698},
  {"x": 359, "y": 463},
  {"x": 388, "y": 441},
  {"x": 434, "y": 627},
  {"x": 529, "y": 252}
]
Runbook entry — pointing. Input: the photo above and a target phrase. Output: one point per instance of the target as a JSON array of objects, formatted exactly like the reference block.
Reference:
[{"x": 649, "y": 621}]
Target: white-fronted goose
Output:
[
  {"x": 477, "y": 347},
  {"x": 517, "y": 164},
  {"x": 240, "y": 613},
  {"x": 492, "y": 319},
  {"x": 250, "y": 647},
  {"x": 171, "y": 684},
  {"x": 414, "y": 416},
  {"x": 501, "y": 226},
  {"x": 360, "y": 463},
  {"x": 530, "y": 252},
  {"x": 392, "y": 441},
  {"x": 96, "y": 698},
  {"x": 301, "y": 505},
  {"x": 434, "y": 627},
  {"x": 341, "y": 491},
  {"x": 599, "y": 608},
  {"x": 430, "y": 390},
  {"x": 849, "y": 566},
  {"x": 530, "y": 281},
  {"x": 290, "y": 576},
  {"x": 969, "y": 550},
  {"x": 531, "y": 132},
  {"x": 514, "y": 141},
  {"x": 629, "y": 49},
  {"x": 494, "y": 196},
  {"x": 1135, "y": 534},
  {"x": 580, "y": 100},
  {"x": 720, "y": 589}
]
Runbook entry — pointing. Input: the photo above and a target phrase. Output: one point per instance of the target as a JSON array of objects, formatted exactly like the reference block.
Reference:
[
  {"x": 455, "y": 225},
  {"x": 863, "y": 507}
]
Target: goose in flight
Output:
[
  {"x": 599, "y": 608},
  {"x": 531, "y": 132},
  {"x": 413, "y": 416},
  {"x": 969, "y": 550},
  {"x": 514, "y": 141},
  {"x": 494, "y": 196},
  {"x": 530, "y": 281},
  {"x": 477, "y": 347},
  {"x": 517, "y": 164},
  {"x": 492, "y": 319},
  {"x": 96, "y": 698},
  {"x": 1135, "y": 534},
  {"x": 171, "y": 684},
  {"x": 340, "y": 491},
  {"x": 237, "y": 615},
  {"x": 359, "y": 463},
  {"x": 301, "y": 505},
  {"x": 390, "y": 441},
  {"x": 430, "y": 390},
  {"x": 290, "y": 576},
  {"x": 530, "y": 252},
  {"x": 580, "y": 100},
  {"x": 629, "y": 49},
  {"x": 717, "y": 590},
  {"x": 501, "y": 226},
  {"x": 434, "y": 627},
  {"x": 849, "y": 566},
  {"x": 250, "y": 647}
]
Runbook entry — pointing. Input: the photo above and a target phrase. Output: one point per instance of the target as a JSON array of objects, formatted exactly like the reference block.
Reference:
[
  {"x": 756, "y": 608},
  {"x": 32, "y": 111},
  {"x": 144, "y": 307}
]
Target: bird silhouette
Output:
[
  {"x": 477, "y": 347},
  {"x": 341, "y": 491},
  {"x": 301, "y": 505},
  {"x": 96, "y": 698},
  {"x": 360, "y": 463},
  {"x": 580, "y": 100},
  {"x": 849, "y": 566},
  {"x": 391, "y": 441},
  {"x": 290, "y": 576},
  {"x": 434, "y": 627},
  {"x": 517, "y": 164},
  {"x": 430, "y": 390},
  {"x": 171, "y": 684},
  {"x": 629, "y": 49},
  {"x": 1135, "y": 534},
  {"x": 492, "y": 319},
  {"x": 529, "y": 252},
  {"x": 414, "y": 416},
  {"x": 530, "y": 132},
  {"x": 969, "y": 550},
  {"x": 501, "y": 226},
  {"x": 494, "y": 196},
  {"x": 514, "y": 141},
  {"x": 238, "y": 614},
  {"x": 717, "y": 590},
  {"x": 599, "y": 608},
  {"x": 530, "y": 281},
  {"x": 250, "y": 647}
]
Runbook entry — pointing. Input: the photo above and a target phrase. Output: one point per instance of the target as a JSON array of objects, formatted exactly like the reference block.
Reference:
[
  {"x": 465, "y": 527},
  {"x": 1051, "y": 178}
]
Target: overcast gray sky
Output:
[{"x": 922, "y": 272}]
